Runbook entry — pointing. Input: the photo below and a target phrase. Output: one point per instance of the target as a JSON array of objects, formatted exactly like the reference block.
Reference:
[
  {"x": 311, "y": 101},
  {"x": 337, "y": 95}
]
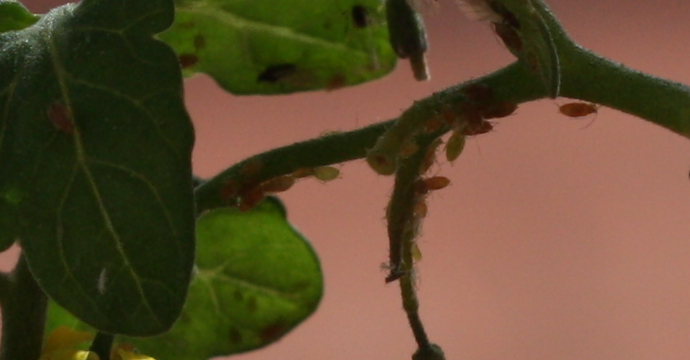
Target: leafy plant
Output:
[{"x": 95, "y": 159}]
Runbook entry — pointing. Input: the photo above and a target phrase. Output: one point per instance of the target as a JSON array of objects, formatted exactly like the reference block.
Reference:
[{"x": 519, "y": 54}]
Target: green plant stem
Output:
[
  {"x": 102, "y": 344},
  {"x": 23, "y": 316},
  {"x": 590, "y": 77},
  {"x": 513, "y": 83}
]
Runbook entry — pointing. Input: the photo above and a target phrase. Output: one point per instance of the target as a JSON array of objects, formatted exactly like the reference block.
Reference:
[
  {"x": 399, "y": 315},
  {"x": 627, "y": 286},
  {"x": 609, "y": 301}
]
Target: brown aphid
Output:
[
  {"x": 61, "y": 117},
  {"x": 408, "y": 148},
  {"x": 432, "y": 124},
  {"x": 430, "y": 156},
  {"x": 578, "y": 109},
  {"x": 278, "y": 184},
  {"x": 302, "y": 173},
  {"x": 472, "y": 129},
  {"x": 250, "y": 198},
  {"x": 420, "y": 209},
  {"x": 470, "y": 112},
  {"x": 424, "y": 186},
  {"x": 498, "y": 110}
]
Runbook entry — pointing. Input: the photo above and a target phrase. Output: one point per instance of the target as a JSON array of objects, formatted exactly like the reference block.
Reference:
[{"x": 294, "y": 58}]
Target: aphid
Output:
[
  {"x": 469, "y": 112},
  {"x": 187, "y": 60},
  {"x": 250, "y": 198},
  {"x": 578, "y": 109},
  {"x": 61, "y": 117},
  {"x": 430, "y": 156},
  {"x": 479, "y": 10},
  {"x": 432, "y": 124},
  {"x": 472, "y": 129},
  {"x": 360, "y": 16},
  {"x": 278, "y": 184},
  {"x": 424, "y": 186},
  {"x": 274, "y": 73},
  {"x": 455, "y": 145},
  {"x": 408, "y": 148},
  {"x": 326, "y": 173},
  {"x": 416, "y": 253},
  {"x": 498, "y": 110},
  {"x": 420, "y": 208},
  {"x": 302, "y": 173}
]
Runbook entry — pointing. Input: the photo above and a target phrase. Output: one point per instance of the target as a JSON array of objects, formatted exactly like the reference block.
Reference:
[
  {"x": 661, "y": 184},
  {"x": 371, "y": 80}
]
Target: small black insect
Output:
[
  {"x": 360, "y": 16},
  {"x": 274, "y": 73}
]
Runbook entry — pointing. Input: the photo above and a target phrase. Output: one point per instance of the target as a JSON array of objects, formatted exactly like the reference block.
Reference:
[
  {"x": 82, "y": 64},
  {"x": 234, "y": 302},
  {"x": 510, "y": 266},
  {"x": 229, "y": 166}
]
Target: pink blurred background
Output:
[{"x": 553, "y": 242}]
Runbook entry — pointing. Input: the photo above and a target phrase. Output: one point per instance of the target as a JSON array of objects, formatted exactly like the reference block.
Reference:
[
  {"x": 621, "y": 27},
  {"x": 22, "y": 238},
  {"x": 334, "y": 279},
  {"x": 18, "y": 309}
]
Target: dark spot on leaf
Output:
[
  {"x": 238, "y": 295},
  {"x": 235, "y": 336},
  {"x": 252, "y": 305},
  {"x": 272, "y": 332},
  {"x": 61, "y": 117},
  {"x": 336, "y": 82},
  {"x": 187, "y": 60},
  {"x": 199, "y": 42},
  {"x": 274, "y": 73},
  {"x": 360, "y": 16}
]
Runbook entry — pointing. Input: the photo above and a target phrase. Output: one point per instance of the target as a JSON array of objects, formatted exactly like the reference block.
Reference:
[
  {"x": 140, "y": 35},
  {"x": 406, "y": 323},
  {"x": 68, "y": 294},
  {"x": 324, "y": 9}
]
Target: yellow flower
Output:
[
  {"x": 68, "y": 344},
  {"x": 63, "y": 344},
  {"x": 123, "y": 352}
]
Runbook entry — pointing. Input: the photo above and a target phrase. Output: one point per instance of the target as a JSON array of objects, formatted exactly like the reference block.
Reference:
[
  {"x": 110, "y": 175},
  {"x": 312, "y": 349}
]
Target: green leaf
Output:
[
  {"x": 96, "y": 147},
  {"x": 14, "y": 16},
  {"x": 256, "y": 279},
  {"x": 276, "y": 46}
]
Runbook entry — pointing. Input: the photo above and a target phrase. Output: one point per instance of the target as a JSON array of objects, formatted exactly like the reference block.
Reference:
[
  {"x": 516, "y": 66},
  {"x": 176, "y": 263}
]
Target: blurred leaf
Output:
[
  {"x": 14, "y": 16},
  {"x": 276, "y": 46},
  {"x": 9, "y": 225},
  {"x": 256, "y": 279},
  {"x": 95, "y": 149}
]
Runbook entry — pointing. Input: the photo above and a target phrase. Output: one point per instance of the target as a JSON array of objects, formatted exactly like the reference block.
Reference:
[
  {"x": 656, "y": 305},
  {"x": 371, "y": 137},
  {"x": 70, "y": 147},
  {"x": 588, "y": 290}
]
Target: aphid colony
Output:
[
  {"x": 466, "y": 117},
  {"x": 246, "y": 195}
]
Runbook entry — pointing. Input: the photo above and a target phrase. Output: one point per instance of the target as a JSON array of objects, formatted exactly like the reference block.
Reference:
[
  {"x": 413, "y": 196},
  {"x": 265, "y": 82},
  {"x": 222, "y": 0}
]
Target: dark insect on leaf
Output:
[
  {"x": 578, "y": 109},
  {"x": 187, "y": 60},
  {"x": 275, "y": 73},
  {"x": 61, "y": 117},
  {"x": 360, "y": 16}
]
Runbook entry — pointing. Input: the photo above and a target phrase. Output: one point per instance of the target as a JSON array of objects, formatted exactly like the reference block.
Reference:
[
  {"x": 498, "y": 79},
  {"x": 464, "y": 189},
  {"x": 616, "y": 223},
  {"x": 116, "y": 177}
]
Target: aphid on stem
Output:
[
  {"x": 424, "y": 186},
  {"x": 579, "y": 109},
  {"x": 326, "y": 173},
  {"x": 278, "y": 184}
]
